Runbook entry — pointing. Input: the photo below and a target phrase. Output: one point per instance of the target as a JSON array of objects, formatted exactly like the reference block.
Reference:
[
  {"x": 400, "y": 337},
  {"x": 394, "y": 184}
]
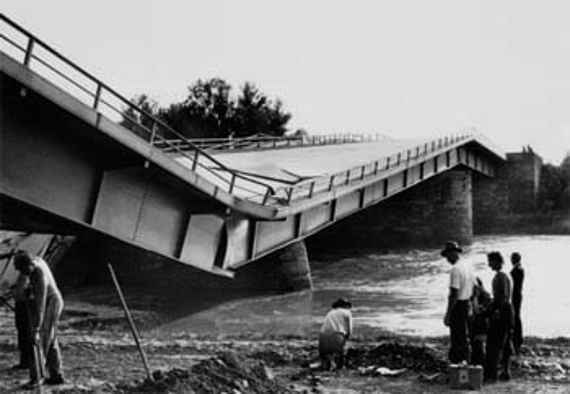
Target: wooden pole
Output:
[{"x": 134, "y": 330}]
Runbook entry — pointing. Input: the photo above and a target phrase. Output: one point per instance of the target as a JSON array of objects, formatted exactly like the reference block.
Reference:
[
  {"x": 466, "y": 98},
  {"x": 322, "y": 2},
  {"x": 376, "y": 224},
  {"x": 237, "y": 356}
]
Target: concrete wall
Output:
[
  {"x": 523, "y": 172},
  {"x": 498, "y": 202}
]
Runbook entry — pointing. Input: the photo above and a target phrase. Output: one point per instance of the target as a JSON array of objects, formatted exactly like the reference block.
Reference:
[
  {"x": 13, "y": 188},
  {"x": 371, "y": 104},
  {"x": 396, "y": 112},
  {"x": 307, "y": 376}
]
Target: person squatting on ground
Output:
[
  {"x": 499, "y": 344},
  {"x": 479, "y": 323},
  {"x": 457, "y": 317},
  {"x": 335, "y": 331},
  {"x": 517, "y": 274},
  {"x": 46, "y": 306}
]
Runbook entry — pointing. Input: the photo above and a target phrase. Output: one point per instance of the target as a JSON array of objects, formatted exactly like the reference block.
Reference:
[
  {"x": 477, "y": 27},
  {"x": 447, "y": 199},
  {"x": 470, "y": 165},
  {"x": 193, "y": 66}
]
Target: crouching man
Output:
[
  {"x": 45, "y": 307},
  {"x": 335, "y": 331}
]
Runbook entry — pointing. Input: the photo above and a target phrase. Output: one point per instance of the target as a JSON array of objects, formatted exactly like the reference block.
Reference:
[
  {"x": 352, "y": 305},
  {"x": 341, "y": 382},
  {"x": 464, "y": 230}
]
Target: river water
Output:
[{"x": 404, "y": 292}]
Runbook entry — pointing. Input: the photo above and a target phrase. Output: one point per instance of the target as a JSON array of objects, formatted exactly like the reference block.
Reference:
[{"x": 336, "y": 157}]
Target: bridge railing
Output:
[
  {"x": 310, "y": 188},
  {"x": 261, "y": 141},
  {"x": 25, "y": 47}
]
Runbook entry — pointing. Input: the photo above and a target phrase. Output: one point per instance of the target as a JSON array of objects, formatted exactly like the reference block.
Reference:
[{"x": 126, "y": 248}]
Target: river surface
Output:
[{"x": 404, "y": 292}]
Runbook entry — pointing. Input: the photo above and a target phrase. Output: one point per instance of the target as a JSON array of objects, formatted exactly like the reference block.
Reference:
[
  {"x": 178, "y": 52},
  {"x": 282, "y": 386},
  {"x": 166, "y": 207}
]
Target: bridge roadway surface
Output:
[
  {"x": 291, "y": 165},
  {"x": 74, "y": 166}
]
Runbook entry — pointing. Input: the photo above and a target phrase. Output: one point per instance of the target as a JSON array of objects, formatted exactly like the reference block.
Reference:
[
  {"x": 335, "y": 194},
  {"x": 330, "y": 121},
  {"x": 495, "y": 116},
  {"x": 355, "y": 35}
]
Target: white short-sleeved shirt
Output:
[
  {"x": 462, "y": 278},
  {"x": 338, "y": 320}
]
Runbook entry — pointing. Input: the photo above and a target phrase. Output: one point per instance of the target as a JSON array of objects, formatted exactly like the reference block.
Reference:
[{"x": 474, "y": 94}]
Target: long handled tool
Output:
[{"x": 131, "y": 322}]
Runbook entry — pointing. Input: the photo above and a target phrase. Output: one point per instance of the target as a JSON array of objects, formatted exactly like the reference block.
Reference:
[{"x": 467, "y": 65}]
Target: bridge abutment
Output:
[{"x": 436, "y": 210}]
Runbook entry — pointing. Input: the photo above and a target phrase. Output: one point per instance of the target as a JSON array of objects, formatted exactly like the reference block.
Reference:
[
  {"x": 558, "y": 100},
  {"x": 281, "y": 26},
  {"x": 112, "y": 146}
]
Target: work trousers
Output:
[
  {"x": 332, "y": 348},
  {"x": 23, "y": 330},
  {"x": 517, "y": 330},
  {"x": 478, "y": 350},
  {"x": 459, "y": 332},
  {"x": 499, "y": 342},
  {"x": 48, "y": 345}
]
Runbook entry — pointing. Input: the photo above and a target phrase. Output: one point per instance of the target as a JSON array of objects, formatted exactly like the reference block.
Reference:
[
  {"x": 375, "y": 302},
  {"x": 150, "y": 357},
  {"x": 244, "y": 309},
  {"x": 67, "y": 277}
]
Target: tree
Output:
[
  {"x": 565, "y": 175},
  {"x": 133, "y": 119},
  {"x": 552, "y": 188},
  {"x": 255, "y": 113},
  {"x": 211, "y": 111}
]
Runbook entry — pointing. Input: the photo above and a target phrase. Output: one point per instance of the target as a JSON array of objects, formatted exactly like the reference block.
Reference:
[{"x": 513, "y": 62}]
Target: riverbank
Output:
[{"x": 99, "y": 356}]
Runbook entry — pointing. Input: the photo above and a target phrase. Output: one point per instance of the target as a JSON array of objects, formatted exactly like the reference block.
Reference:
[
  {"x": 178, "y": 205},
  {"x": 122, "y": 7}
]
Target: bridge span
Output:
[{"x": 71, "y": 163}]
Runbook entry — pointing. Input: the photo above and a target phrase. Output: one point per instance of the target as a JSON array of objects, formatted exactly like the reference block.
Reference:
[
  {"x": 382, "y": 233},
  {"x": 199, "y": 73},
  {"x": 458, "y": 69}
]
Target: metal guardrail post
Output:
[
  {"x": 289, "y": 195},
  {"x": 376, "y": 167},
  {"x": 232, "y": 183},
  {"x": 195, "y": 162},
  {"x": 347, "y": 181},
  {"x": 29, "y": 49},
  {"x": 153, "y": 128},
  {"x": 388, "y": 163},
  {"x": 311, "y": 189},
  {"x": 331, "y": 182},
  {"x": 362, "y": 172},
  {"x": 399, "y": 158},
  {"x": 266, "y": 196},
  {"x": 97, "y": 96}
]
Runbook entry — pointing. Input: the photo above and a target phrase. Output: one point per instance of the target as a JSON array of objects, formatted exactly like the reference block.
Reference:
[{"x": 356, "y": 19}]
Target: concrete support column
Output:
[
  {"x": 285, "y": 270},
  {"x": 294, "y": 272},
  {"x": 427, "y": 214},
  {"x": 454, "y": 218}
]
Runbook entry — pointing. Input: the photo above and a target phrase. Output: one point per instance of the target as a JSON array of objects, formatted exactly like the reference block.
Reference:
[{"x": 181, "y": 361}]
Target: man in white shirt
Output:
[
  {"x": 461, "y": 285},
  {"x": 336, "y": 329}
]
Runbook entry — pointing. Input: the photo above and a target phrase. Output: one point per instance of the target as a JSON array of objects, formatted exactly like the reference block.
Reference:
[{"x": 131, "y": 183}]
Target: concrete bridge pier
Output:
[
  {"x": 428, "y": 214},
  {"x": 293, "y": 270},
  {"x": 285, "y": 270}
]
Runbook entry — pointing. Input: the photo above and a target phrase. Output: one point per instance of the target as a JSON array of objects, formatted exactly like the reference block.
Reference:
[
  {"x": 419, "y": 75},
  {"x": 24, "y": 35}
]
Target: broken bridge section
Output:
[{"x": 72, "y": 164}]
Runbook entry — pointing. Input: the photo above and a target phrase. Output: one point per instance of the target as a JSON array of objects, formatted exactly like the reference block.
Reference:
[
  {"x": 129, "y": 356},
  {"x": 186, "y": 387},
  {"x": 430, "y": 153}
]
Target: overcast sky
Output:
[{"x": 403, "y": 68}]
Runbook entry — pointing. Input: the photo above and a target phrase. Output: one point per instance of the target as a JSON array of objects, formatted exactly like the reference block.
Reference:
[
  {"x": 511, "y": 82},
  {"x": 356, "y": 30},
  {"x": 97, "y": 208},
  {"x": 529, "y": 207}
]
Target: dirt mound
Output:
[
  {"x": 396, "y": 355},
  {"x": 227, "y": 372}
]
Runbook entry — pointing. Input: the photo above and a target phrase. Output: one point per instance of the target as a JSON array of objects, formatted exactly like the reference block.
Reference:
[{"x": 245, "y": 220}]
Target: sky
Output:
[{"x": 408, "y": 69}]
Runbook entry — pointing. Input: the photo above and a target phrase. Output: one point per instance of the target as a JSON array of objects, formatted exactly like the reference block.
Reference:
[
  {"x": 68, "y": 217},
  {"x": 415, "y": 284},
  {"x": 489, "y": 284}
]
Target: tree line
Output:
[
  {"x": 554, "y": 189},
  {"x": 211, "y": 110}
]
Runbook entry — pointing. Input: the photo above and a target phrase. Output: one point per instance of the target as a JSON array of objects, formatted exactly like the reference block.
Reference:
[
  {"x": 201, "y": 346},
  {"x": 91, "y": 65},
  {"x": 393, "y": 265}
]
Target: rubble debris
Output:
[
  {"x": 226, "y": 372},
  {"x": 395, "y": 356}
]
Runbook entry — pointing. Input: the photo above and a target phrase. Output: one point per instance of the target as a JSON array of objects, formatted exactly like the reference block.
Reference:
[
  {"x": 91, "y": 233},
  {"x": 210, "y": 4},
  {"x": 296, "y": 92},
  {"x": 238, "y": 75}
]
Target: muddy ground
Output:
[{"x": 100, "y": 357}]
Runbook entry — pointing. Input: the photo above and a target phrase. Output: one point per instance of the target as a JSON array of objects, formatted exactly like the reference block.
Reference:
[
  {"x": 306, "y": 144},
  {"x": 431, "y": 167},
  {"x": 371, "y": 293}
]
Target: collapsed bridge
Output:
[{"x": 71, "y": 163}]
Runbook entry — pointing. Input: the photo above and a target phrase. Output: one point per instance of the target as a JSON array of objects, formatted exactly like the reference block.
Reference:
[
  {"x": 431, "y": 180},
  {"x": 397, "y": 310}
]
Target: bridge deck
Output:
[
  {"x": 284, "y": 167},
  {"x": 211, "y": 210}
]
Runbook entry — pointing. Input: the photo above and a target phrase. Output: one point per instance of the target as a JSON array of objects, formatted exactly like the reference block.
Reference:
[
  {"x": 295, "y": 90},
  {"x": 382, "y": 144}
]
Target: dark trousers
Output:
[
  {"x": 499, "y": 342},
  {"x": 517, "y": 329},
  {"x": 23, "y": 330},
  {"x": 332, "y": 348},
  {"x": 459, "y": 332},
  {"x": 478, "y": 353}
]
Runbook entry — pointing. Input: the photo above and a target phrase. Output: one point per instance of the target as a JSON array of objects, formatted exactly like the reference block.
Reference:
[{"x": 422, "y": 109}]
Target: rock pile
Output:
[{"x": 225, "y": 373}]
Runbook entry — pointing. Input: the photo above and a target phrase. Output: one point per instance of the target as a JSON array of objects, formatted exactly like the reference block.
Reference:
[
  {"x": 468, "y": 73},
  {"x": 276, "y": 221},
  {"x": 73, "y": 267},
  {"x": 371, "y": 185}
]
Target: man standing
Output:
[
  {"x": 517, "y": 274},
  {"x": 20, "y": 314},
  {"x": 45, "y": 310},
  {"x": 458, "y": 312}
]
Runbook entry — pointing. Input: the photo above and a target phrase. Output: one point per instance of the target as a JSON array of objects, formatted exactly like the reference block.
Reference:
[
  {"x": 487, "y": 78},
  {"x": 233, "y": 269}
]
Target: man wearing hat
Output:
[
  {"x": 461, "y": 285},
  {"x": 336, "y": 329}
]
